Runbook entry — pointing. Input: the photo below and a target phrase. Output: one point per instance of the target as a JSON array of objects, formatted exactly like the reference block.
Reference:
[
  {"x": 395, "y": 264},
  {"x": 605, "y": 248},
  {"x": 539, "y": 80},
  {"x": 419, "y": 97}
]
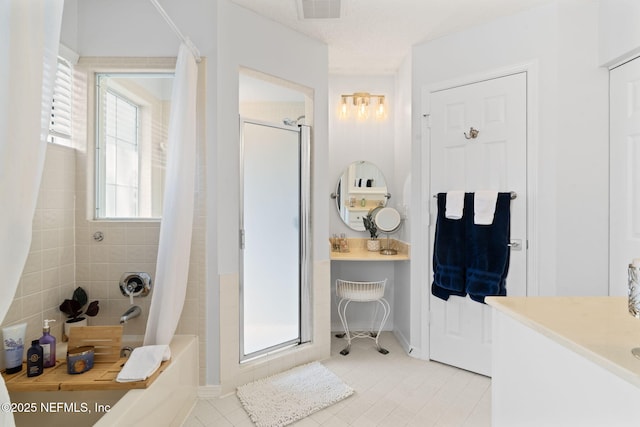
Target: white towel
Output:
[
  {"x": 455, "y": 204},
  {"x": 484, "y": 206},
  {"x": 143, "y": 362}
]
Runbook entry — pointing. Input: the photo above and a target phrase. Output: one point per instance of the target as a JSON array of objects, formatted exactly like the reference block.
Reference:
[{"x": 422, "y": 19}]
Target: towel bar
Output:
[{"x": 514, "y": 195}]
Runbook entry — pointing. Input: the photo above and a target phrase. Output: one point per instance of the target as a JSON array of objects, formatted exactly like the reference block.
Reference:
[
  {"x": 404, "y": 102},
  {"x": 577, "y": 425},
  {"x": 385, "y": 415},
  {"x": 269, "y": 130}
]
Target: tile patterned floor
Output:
[{"x": 390, "y": 391}]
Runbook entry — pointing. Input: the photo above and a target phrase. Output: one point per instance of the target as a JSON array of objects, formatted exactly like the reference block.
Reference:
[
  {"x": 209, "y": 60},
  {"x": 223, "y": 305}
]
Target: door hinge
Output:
[{"x": 241, "y": 238}]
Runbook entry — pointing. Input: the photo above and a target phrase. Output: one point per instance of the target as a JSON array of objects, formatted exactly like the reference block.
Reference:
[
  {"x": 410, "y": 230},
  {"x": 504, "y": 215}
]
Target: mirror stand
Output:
[{"x": 388, "y": 250}]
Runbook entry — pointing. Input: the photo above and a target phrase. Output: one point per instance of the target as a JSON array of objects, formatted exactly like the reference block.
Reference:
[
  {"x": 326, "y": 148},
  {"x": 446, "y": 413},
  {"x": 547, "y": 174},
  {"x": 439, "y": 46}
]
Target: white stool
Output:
[{"x": 349, "y": 291}]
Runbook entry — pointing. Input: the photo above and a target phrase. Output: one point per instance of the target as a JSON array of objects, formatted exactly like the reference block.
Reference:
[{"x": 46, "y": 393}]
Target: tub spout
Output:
[{"x": 134, "y": 311}]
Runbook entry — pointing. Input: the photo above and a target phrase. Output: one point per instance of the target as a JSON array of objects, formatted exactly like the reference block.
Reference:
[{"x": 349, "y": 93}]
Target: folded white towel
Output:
[
  {"x": 484, "y": 206},
  {"x": 143, "y": 362},
  {"x": 455, "y": 204}
]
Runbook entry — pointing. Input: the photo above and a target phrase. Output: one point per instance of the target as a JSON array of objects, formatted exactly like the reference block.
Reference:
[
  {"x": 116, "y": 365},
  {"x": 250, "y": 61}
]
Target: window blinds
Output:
[{"x": 60, "y": 125}]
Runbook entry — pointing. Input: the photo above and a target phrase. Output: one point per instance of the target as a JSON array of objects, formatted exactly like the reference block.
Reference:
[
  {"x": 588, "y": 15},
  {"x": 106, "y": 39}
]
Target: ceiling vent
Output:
[{"x": 320, "y": 9}]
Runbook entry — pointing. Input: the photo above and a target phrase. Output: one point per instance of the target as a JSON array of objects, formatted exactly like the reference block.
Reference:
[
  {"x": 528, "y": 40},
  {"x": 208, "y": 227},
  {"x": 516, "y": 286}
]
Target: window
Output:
[
  {"x": 132, "y": 114},
  {"x": 121, "y": 174}
]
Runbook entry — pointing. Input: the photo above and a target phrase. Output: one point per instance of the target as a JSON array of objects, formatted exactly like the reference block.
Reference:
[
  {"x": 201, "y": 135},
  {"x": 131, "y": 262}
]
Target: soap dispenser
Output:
[
  {"x": 48, "y": 343},
  {"x": 34, "y": 359}
]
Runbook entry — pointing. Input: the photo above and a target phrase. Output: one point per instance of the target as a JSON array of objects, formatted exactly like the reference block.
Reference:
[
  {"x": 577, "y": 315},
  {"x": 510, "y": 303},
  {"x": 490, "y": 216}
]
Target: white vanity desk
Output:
[
  {"x": 361, "y": 265},
  {"x": 564, "y": 361}
]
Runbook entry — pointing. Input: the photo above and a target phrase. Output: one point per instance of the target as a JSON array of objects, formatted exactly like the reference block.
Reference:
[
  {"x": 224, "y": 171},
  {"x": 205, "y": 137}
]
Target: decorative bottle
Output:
[
  {"x": 34, "y": 359},
  {"x": 48, "y": 343}
]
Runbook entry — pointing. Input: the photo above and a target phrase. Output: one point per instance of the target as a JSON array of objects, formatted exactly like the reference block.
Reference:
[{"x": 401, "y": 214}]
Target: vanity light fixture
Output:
[{"x": 362, "y": 104}]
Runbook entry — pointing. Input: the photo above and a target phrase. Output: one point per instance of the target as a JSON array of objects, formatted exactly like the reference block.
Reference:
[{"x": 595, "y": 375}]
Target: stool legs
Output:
[
  {"x": 342, "y": 313},
  {"x": 387, "y": 310}
]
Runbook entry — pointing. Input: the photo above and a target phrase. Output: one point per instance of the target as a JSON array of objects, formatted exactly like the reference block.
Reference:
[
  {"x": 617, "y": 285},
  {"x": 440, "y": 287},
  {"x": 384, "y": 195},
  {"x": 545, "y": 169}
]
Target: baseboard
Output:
[
  {"x": 209, "y": 391},
  {"x": 407, "y": 347},
  {"x": 404, "y": 343}
]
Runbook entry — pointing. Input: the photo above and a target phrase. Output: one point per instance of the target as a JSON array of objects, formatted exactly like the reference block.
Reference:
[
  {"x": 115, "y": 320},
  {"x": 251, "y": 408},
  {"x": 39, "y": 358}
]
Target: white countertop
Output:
[{"x": 599, "y": 328}]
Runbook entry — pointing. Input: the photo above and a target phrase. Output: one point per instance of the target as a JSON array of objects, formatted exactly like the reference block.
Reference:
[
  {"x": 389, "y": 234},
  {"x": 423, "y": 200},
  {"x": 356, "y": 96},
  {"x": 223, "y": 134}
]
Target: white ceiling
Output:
[{"x": 374, "y": 36}]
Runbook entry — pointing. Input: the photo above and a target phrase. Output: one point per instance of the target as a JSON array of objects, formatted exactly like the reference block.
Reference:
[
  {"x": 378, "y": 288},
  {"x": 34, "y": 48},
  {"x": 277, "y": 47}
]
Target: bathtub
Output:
[{"x": 166, "y": 402}]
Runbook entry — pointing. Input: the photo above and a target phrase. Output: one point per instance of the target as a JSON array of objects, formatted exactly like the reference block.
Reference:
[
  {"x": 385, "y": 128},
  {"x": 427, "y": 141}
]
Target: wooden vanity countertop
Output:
[{"x": 358, "y": 251}]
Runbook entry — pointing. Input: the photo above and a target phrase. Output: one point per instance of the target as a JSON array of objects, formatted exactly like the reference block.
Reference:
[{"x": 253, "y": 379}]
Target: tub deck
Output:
[
  {"x": 162, "y": 400},
  {"x": 101, "y": 377}
]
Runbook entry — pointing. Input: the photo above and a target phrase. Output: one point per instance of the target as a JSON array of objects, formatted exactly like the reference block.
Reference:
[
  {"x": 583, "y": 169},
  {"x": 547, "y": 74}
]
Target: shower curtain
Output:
[
  {"x": 29, "y": 38},
  {"x": 174, "y": 249}
]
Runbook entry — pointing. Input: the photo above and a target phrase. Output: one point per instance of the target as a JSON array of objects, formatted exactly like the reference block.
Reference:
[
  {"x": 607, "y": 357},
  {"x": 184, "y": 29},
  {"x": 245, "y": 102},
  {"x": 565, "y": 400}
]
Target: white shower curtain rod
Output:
[{"x": 186, "y": 40}]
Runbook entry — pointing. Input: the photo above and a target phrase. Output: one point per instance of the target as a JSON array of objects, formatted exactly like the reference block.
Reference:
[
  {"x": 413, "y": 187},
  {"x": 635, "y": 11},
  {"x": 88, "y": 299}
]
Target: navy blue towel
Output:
[
  {"x": 449, "y": 253},
  {"x": 468, "y": 258},
  {"x": 487, "y": 251}
]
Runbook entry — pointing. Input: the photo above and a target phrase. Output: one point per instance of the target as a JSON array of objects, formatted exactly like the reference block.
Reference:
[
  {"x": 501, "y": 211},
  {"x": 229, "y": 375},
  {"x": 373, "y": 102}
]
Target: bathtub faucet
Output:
[{"x": 134, "y": 311}]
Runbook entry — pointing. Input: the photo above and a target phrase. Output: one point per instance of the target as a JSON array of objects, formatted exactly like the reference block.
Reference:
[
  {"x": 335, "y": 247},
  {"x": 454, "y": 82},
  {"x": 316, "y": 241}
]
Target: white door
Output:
[
  {"x": 624, "y": 217},
  {"x": 460, "y": 329}
]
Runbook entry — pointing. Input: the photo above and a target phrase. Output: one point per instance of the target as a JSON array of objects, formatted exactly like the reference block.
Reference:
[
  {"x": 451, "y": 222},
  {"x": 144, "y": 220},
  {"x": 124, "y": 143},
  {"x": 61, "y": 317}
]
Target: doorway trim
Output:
[{"x": 533, "y": 285}]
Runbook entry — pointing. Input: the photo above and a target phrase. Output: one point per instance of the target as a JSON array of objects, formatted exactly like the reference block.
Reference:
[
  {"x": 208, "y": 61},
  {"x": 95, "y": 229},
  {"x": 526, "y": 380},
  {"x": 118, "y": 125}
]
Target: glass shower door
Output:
[{"x": 273, "y": 264}]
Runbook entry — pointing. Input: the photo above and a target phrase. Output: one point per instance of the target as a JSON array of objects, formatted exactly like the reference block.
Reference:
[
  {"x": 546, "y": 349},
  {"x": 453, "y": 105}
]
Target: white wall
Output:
[
  {"x": 619, "y": 30},
  {"x": 271, "y": 49},
  {"x": 69, "y": 30},
  {"x": 569, "y": 148},
  {"x": 134, "y": 28},
  {"x": 407, "y": 302},
  {"x": 352, "y": 140}
]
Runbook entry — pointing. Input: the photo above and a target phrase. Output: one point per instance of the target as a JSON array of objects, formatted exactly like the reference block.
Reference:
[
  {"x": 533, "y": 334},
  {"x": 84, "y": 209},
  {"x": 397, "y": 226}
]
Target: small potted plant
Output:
[
  {"x": 73, "y": 308},
  {"x": 373, "y": 244}
]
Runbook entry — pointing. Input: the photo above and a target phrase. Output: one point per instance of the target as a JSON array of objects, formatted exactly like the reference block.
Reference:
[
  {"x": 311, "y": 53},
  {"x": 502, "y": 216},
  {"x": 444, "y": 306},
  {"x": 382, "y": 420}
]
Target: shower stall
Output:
[{"x": 275, "y": 279}]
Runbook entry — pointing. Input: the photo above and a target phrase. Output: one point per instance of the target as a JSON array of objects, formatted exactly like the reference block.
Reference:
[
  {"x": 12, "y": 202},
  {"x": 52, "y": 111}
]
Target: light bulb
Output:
[
  {"x": 363, "y": 108},
  {"x": 344, "y": 109},
  {"x": 381, "y": 111}
]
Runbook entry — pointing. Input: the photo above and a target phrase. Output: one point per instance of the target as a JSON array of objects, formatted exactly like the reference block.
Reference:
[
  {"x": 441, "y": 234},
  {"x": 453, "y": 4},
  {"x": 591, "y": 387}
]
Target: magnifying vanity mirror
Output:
[
  {"x": 387, "y": 220},
  {"x": 361, "y": 187}
]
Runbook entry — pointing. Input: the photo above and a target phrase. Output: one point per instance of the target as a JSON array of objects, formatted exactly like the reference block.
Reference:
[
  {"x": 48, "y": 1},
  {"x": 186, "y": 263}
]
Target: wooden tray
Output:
[
  {"x": 107, "y": 341},
  {"x": 101, "y": 377}
]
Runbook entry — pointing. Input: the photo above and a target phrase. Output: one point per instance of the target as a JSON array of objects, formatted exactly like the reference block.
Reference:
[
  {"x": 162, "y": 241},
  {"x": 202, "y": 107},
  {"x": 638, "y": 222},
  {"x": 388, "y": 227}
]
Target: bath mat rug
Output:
[{"x": 289, "y": 396}]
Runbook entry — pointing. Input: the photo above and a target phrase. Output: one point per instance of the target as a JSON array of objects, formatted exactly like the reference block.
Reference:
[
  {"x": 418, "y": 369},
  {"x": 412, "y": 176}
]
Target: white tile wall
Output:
[{"x": 49, "y": 272}]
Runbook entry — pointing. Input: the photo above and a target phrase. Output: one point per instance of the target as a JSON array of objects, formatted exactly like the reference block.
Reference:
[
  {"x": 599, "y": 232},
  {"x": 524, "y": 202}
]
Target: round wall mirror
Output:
[{"x": 361, "y": 187}]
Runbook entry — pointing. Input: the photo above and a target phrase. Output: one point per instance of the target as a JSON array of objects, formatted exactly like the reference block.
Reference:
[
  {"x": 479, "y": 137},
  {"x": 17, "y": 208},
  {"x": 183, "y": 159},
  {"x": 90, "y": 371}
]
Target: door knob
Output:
[{"x": 515, "y": 244}]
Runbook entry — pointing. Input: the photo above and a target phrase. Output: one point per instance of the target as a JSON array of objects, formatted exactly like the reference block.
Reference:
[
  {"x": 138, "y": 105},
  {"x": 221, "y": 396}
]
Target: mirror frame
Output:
[{"x": 352, "y": 212}]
